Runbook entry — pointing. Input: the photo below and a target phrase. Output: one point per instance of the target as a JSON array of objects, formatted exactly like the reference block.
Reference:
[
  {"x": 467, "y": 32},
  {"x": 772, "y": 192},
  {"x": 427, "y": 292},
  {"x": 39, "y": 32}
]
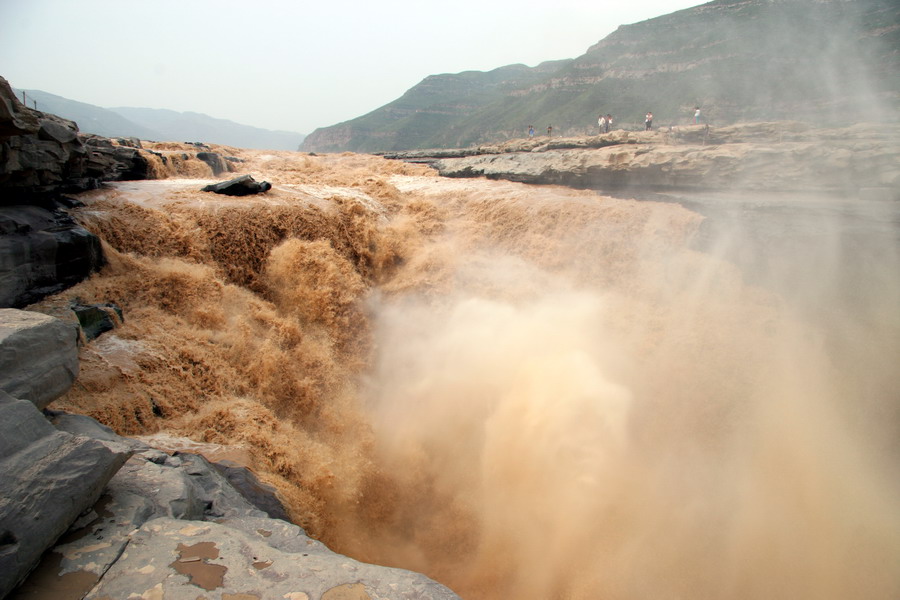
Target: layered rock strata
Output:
[
  {"x": 43, "y": 154},
  {"x": 863, "y": 159},
  {"x": 42, "y": 251}
]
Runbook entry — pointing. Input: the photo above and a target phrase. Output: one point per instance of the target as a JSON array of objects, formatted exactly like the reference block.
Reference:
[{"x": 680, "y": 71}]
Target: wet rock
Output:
[
  {"x": 88, "y": 427},
  {"x": 174, "y": 525},
  {"x": 47, "y": 479},
  {"x": 215, "y": 161},
  {"x": 244, "y": 185},
  {"x": 96, "y": 319},
  {"x": 217, "y": 496},
  {"x": 179, "y": 487},
  {"x": 38, "y": 356},
  {"x": 262, "y": 496},
  {"x": 131, "y": 142},
  {"x": 116, "y": 162},
  {"x": 42, "y": 251},
  {"x": 178, "y": 559},
  {"x": 43, "y": 154}
]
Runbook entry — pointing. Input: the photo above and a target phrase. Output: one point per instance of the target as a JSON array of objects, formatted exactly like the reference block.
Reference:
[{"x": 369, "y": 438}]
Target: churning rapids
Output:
[{"x": 523, "y": 392}]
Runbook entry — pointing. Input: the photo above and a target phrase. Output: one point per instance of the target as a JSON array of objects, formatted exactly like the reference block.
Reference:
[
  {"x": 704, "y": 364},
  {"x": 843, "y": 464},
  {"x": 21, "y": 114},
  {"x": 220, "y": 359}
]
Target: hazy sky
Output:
[{"x": 286, "y": 64}]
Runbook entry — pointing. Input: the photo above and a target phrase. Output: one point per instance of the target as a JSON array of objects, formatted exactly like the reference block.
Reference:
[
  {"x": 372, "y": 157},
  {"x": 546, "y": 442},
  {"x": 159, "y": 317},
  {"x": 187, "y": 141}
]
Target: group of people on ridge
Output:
[
  {"x": 531, "y": 130},
  {"x": 605, "y": 122}
]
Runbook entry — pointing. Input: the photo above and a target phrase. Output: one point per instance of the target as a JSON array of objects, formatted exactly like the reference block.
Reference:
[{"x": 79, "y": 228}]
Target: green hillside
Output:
[{"x": 826, "y": 61}]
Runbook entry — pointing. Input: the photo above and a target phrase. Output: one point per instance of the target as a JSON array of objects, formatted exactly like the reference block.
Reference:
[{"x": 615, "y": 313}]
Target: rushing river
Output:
[{"x": 524, "y": 392}]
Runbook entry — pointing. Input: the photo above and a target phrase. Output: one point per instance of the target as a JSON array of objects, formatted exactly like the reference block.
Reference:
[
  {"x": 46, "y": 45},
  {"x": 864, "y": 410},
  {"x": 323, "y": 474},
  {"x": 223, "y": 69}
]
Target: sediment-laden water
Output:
[{"x": 523, "y": 392}]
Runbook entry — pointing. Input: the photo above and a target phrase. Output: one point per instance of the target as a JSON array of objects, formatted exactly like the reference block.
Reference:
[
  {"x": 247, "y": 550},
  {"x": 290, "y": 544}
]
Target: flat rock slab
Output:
[
  {"x": 38, "y": 356},
  {"x": 183, "y": 560}
]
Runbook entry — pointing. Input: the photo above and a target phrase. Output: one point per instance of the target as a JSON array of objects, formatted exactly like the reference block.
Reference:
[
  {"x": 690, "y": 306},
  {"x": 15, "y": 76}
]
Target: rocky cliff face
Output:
[
  {"x": 43, "y": 157},
  {"x": 42, "y": 154},
  {"x": 818, "y": 61}
]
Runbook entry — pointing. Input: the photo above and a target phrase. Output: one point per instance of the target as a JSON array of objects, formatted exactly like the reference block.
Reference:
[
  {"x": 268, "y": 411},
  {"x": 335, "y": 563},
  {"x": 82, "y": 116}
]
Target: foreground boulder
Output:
[
  {"x": 47, "y": 479},
  {"x": 171, "y": 526},
  {"x": 38, "y": 356},
  {"x": 244, "y": 185}
]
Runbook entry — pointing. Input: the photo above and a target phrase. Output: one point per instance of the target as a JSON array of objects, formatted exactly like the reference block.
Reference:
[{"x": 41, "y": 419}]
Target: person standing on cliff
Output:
[
  {"x": 531, "y": 131},
  {"x": 602, "y": 123},
  {"x": 549, "y": 130},
  {"x": 696, "y": 115},
  {"x": 608, "y": 122},
  {"x": 648, "y": 121}
]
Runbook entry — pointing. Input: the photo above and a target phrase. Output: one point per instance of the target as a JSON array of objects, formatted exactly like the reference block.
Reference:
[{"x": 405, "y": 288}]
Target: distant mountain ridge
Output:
[
  {"x": 161, "y": 124},
  {"x": 827, "y": 61}
]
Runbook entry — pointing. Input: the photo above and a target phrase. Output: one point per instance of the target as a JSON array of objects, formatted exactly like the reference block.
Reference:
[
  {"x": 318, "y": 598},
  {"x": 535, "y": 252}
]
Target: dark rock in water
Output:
[
  {"x": 47, "y": 479},
  {"x": 96, "y": 319},
  {"x": 113, "y": 162},
  {"x": 244, "y": 185},
  {"x": 44, "y": 251},
  {"x": 131, "y": 142},
  {"x": 262, "y": 496},
  {"x": 215, "y": 162},
  {"x": 38, "y": 356}
]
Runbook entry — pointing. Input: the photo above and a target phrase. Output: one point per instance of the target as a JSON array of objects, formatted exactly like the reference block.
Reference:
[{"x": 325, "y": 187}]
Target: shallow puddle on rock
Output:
[
  {"x": 192, "y": 562},
  {"x": 45, "y": 582}
]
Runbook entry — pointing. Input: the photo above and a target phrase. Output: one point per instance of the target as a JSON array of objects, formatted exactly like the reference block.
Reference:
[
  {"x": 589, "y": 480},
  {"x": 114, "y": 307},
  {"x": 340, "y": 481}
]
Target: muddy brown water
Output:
[{"x": 526, "y": 392}]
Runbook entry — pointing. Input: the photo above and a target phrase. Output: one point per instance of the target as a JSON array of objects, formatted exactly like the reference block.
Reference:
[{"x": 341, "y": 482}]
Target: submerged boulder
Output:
[
  {"x": 244, "y": 185},
  {"x": 215, "y": 161}
]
